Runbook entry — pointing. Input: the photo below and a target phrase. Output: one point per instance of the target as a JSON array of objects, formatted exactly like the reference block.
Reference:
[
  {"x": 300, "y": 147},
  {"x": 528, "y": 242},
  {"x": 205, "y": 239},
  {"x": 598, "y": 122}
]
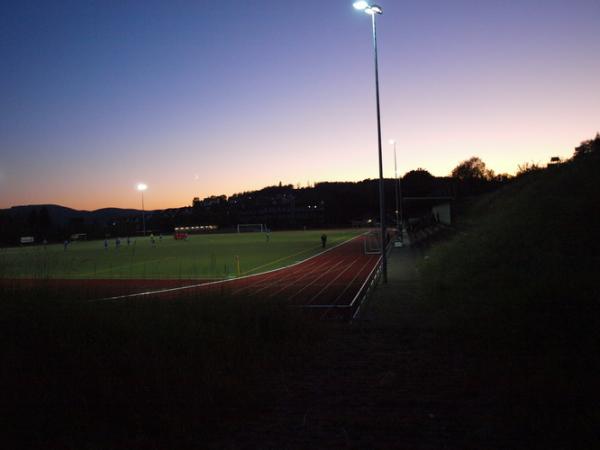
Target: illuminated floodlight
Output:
[
  {"x": 368, "y": 8},
  {"x": 391, "y": 142},
  {"x": 142, "y": 187}
]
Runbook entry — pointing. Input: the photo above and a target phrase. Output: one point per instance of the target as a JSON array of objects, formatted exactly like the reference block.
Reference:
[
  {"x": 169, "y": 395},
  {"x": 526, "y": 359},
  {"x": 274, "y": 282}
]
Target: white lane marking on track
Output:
[
  {"x": 287, "y": 282},
  {"x": 347, "y": 286},
  {"x": 316, "y": 279},
  {"x": 328, "y": 308},
  {"x": 276, "y": 281},
  {"x": 265, "y": 280},
  {"x": 360, "y": 304},
  {"x": 356, "y": 275},
  {"x": 335, "y": 305},
  {"x": 331, "y": 282},
  {"x": 295, "y": 274},
  {"x": 365, "y": 282},
  {"x": 270, "y": 263}
]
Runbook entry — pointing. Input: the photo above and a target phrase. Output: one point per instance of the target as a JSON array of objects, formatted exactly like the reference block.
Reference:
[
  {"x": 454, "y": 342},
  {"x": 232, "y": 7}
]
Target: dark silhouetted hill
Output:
[{"x": 61, "y": 215}]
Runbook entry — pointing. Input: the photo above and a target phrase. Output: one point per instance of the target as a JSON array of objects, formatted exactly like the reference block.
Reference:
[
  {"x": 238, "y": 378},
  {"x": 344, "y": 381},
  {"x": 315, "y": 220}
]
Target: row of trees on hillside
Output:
[{"x": 473, "y": 177}]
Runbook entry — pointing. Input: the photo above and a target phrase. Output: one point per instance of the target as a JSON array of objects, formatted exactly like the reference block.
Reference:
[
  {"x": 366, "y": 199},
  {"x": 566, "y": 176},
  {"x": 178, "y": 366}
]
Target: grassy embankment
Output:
[
  {"x": 522, "y": 275},
  {"x": 505, "y": 315}
]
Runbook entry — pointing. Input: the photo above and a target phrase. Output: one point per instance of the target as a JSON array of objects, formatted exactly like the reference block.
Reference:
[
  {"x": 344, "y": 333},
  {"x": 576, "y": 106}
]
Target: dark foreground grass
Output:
[{"x": 140, "y": 373}]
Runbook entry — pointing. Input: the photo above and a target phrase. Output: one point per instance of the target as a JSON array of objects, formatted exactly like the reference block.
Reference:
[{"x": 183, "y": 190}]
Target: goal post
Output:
[
  {"x": 372, "y": 243},
  {"x": 250, "y": 228}
]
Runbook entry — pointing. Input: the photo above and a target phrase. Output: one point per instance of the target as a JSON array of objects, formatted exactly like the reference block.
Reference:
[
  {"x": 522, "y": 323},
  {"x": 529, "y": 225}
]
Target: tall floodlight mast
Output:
[{"x": 374, "y": 11}]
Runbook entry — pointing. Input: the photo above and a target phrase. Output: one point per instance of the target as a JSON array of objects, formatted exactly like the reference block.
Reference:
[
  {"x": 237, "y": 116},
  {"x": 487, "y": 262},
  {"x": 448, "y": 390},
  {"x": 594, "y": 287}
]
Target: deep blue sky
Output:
[{"x": 199, "y": 98}]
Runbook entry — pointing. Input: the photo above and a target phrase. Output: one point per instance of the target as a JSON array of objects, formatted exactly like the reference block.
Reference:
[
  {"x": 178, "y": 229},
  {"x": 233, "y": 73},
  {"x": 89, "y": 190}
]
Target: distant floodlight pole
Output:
[
  {"x": 374, "y": 10},
  {"x": 398, "y": 205},
  {"x": 142, "y": 187}
]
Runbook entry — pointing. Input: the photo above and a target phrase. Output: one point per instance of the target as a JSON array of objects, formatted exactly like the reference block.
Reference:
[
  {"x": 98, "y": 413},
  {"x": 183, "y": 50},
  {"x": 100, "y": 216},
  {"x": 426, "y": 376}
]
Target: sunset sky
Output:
[{"x": 197, "y": 98}]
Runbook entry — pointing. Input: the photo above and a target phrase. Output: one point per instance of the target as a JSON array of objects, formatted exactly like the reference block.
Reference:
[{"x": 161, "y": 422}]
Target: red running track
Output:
[
  {"x": 328, "y": 282},
  {"x": 330, "y": 278}
]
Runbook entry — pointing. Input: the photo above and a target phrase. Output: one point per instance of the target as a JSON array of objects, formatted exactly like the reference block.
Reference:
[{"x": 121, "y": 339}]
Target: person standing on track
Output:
[{"x": 323, "y": 240}]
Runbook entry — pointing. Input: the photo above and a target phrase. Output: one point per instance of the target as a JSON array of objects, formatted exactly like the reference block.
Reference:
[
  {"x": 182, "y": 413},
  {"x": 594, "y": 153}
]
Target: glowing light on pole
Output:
[
  {"x": 373, "y": 11},
  {"x": 361, "y": 6},
  {"x": 142, "y": 187}
]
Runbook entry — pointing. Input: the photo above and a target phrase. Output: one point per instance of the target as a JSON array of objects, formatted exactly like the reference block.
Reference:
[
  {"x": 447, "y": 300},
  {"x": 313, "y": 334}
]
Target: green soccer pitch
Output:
[{"x": 206, "y": 256}]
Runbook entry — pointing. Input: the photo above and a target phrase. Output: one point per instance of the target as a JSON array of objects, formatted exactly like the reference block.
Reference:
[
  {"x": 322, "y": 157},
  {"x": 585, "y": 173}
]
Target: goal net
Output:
[
  {"x": 372, "y": 243},
  {"x": 250, "y": 227}
]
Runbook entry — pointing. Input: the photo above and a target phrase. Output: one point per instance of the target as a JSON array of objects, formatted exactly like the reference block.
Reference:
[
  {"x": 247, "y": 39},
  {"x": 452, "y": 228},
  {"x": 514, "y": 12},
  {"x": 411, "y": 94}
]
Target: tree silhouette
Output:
[
  {"x": 472, "y": 169},
  {"x": 588, "y": 147},
  {"x": 418, "y": 183}
]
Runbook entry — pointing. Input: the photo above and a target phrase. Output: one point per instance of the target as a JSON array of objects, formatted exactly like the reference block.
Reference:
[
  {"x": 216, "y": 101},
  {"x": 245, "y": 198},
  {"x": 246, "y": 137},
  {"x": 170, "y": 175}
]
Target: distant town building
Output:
[{"x": 554, "y": 161}]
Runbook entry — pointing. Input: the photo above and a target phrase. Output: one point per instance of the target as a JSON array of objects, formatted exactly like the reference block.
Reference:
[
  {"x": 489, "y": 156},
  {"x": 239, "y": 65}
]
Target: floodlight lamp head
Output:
[
  {"x": 142, "y": 187},
  {"x": 374, "y": 9},
  {"x": 367, "y": 7},
  {"x": 392, "y": 141},
  {"x": 361, "y": 5}
]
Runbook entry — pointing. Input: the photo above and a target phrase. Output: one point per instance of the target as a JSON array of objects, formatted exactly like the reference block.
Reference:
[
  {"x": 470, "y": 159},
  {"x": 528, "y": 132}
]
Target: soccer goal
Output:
[
  {"x": 250, "y": 228},
  {"x": 372, "y": 243}
]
